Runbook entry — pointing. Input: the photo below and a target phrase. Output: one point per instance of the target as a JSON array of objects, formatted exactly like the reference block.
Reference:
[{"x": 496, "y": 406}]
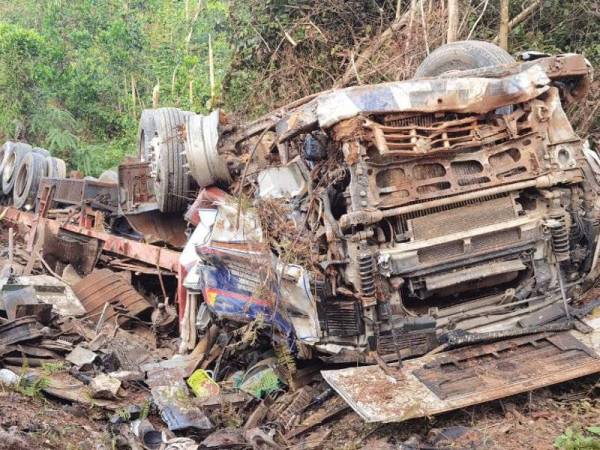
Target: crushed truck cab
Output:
[{"x": 428, "y": 208}]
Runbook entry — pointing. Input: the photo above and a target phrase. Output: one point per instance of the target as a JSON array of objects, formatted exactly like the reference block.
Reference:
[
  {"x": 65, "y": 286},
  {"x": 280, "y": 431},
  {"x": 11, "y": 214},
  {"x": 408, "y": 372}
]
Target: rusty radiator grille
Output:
[
  {"x": 453, "y": 206},
  {"x": 490, "y": 241},
  {"x": 411, "y": 343},
  {"x": 402, "y": 120},
  {"x": 495, "y": 240},
  {"x": 442, "y": 133},
  {"x": 464, "y": 218},
  {"x": 342, "y": 317},
  {"x": 441, "y": 252}
]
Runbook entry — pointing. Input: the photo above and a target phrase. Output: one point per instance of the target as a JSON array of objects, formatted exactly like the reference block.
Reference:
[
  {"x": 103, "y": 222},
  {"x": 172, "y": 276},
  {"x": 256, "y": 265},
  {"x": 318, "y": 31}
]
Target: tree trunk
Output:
[
  {"x": 521, "y": 17},
  {"x": 503, "y": 32},
  {"x": 452, "y": 20},
  {"x": 374, "y": 46}
]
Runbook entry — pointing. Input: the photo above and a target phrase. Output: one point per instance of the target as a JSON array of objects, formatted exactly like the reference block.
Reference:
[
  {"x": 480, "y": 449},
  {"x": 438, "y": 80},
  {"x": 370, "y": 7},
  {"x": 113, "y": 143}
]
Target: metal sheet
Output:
[
  {"x": 159, "y": 227},
  {"x": 136, "y": 188},
  {"x": 104, "y": 286},
  {"x": 96, "y": 194},
  {"x": 19, "y": 330},
  {"x": 156, "y": 256},
  {"x": 475, "y": 95},
  {"x": 448, "y": 279},
  {"x": 479, "y": 374}
]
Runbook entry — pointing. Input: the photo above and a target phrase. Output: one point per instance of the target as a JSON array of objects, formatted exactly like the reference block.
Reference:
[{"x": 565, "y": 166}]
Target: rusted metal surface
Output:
[
  {"x": 473, "y": 95},
  {"x": 464, "y": 377},
  {"x": 153, "y": 255},
  {"x": 19, "y": 330},
  {"x": 138, "y": 205},
  {"x": 63, "y": 246},
  {"x": 137, "y": 188},
  {"x": 160, "y": 227},
  {"x": 96, "y": 194},
  {"x": 45, "y": 196},
  {"x": 104, "y": 287}
]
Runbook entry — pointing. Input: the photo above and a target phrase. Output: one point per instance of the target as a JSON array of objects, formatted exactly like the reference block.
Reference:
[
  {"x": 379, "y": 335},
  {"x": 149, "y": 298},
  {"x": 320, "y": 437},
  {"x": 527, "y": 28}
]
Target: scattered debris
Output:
[
  {"x": 81, "y": 356},
  {"x": 105, "y": 386},
  {"x": 400, "y": 250}
]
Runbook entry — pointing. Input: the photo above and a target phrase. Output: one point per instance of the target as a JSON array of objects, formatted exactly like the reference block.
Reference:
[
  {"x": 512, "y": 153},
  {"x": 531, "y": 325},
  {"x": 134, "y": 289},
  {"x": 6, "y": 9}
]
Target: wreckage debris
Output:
[
  {"x": 418, "y": 250},
  {"x": 104, "y": 295}
]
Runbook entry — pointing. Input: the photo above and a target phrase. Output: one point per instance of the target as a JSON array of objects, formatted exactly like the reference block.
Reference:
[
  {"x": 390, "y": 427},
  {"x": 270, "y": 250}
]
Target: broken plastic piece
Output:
[
  {"x": 282, "y": 182},
  {"x": 260, "y": 380},
  {"x": 202, "y": 384},
  {"x": 177, "y": 410}
]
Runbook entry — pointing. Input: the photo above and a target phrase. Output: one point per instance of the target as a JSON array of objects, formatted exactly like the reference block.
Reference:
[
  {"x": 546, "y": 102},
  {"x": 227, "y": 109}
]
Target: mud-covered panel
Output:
[{"x": 464, "y": 377}]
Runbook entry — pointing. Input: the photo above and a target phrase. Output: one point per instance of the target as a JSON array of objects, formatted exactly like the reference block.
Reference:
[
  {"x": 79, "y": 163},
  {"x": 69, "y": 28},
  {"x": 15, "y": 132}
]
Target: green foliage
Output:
[
  {"x": 145, "y": 409},
  {"x": 33, "y": 388},
  {"x": 20, "y": 51},
  {"x": 124, "y": 414},
  {"x": 75, "y": 75},
  {"x": 577, "y": 439},
  {"x": 50, "y": 368}
]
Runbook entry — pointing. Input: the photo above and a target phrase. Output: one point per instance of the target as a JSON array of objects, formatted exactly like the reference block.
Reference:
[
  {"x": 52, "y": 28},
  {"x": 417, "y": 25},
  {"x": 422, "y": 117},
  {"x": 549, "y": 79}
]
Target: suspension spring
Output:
[
  {"x": 366, "y": 267},
  {"x": 560, "y": 238}
]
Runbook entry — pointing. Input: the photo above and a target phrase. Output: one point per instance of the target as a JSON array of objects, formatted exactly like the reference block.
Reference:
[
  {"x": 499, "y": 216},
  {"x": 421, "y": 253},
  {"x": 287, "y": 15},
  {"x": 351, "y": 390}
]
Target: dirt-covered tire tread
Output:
[
  {"x": 109, "y": 176},
  {"x": 27, "y": 179},
  {"x": 146, "y": 131},
  {"x": 173, "y": 183},
  {"x": 462, "y": 55},
  {"x": 8, "y": 175}
]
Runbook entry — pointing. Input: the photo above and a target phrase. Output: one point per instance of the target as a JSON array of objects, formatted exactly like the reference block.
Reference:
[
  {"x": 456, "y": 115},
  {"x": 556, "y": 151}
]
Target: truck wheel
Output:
[
  {"x": 109, "y": 176},
  {"x": 41, "y": 151},
  {"x": 27, "y": 180},
  {"x": 15, "y": 154},
  {"x": 462, "y": 55},
  {"x": 146, "y": 132},
  {"x": 55, "y": 168},
  {"x": 4, "y": 152},
  {"x": 167, "y": 159}
]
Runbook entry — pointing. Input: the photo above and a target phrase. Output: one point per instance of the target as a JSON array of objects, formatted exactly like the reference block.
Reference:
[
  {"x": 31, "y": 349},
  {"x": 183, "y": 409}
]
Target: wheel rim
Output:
[{"x": 21, "y": 180}]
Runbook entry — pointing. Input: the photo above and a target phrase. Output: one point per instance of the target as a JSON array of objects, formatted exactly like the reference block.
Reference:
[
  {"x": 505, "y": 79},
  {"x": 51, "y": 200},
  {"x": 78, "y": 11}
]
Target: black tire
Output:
[
  {"x": 27, "y": 180},
  {"x": 109, "y": 176},
  {"x": 4, "y": 152},
  {"x": 16, "y": 153},
  {"x": 172, "y": 182},
  {"x": 462, "y": 55},
  {"x": 146, "y": 132},
  {"x": 41, "y": 151},
  {"x": 55, "y": 168}
]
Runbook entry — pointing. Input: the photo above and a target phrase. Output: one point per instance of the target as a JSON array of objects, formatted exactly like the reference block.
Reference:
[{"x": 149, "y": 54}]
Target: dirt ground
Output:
[
  {"x": 528, "y": 421},
  {"x": 37, "y": 423}
]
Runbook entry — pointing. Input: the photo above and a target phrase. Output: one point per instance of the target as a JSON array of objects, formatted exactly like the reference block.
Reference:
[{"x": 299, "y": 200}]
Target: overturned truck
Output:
[{"x": 387, "y": 219}]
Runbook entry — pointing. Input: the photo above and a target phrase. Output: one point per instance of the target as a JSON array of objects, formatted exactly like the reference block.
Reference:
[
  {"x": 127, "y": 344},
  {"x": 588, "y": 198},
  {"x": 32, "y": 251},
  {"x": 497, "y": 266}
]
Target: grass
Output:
[
  {"x": 50, "y": 368},
  {"x": 575, "y": 438},
  {"x": 33, "y": 388}
]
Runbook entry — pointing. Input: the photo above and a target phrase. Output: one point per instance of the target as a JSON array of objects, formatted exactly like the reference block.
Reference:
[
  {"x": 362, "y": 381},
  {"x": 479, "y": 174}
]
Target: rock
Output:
[
  {"x": 81, "y": 356},
  {"x": 104, "y": 386},
  {"x": 9, "y": 378}
]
